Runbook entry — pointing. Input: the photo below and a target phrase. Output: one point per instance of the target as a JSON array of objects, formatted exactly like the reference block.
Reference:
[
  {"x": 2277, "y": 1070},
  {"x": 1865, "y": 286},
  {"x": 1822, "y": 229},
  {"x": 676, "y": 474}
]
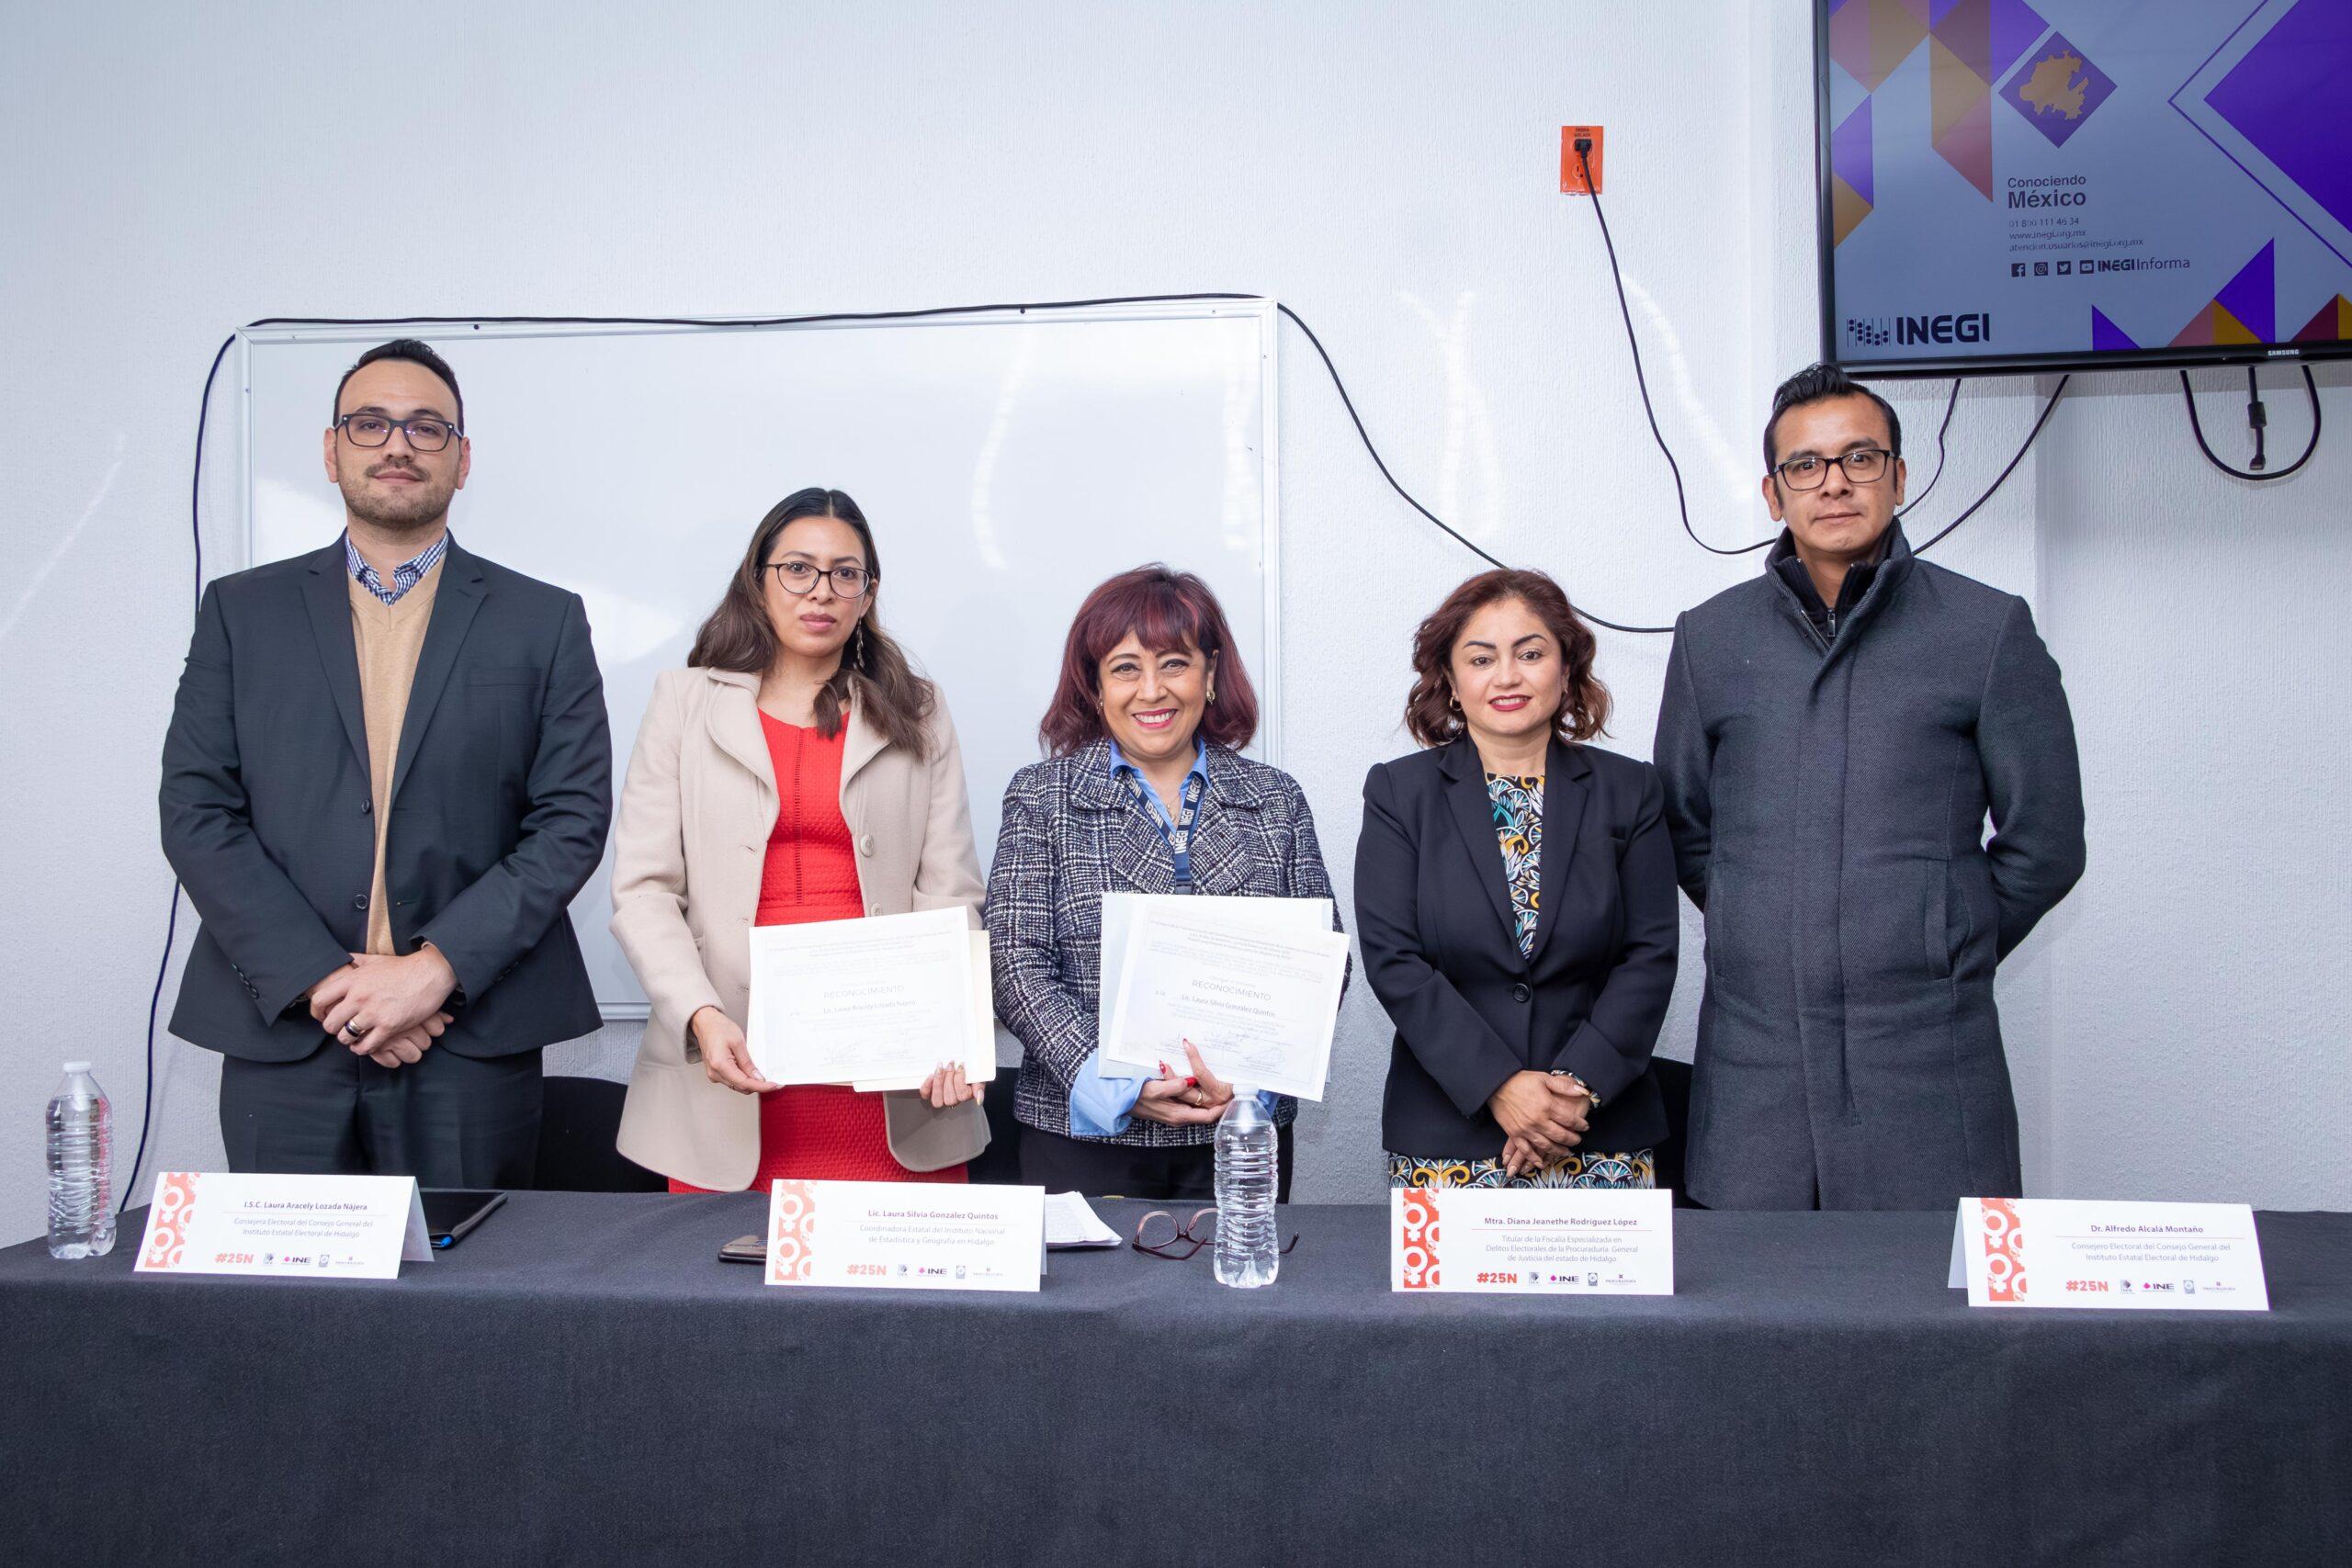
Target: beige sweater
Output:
[{"x": 388, "y": 638}]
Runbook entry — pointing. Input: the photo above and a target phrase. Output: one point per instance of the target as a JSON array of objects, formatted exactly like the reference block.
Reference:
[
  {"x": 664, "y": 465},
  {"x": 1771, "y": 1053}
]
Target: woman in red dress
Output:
[{"x": 797, "y": 744}]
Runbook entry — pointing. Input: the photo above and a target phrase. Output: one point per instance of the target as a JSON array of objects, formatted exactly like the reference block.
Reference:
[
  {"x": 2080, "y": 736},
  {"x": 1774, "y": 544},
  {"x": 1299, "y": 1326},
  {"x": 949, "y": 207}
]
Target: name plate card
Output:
[
  {"x": 2049, "y": 1252},
  {"x": 302, "y": 1227},
  {"x": 906, "y": 1235},
  {"x": 1515, "y": 1241}
]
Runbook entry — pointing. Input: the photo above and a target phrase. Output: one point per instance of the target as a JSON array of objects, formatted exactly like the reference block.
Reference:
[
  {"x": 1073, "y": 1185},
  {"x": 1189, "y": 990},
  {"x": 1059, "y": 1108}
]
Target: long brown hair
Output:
[
  {"x": 738, "y": 635},
  {"x": 1430, "y": 711},
  {"x": 1165, "y": 610}
]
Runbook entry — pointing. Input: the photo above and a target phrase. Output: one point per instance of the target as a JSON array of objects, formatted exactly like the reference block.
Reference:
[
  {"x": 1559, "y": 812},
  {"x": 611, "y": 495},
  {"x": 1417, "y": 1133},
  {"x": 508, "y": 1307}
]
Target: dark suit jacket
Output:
[
  {"x": 1433, "y": 914},
  {"x": 502, "y": 793}
]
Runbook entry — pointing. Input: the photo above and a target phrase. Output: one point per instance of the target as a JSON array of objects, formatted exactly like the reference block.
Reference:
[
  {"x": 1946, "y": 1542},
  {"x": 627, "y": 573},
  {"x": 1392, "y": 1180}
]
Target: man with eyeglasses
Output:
[
  {"x": 1833, "y": 738},
  {"x": 387, "y": 774}
]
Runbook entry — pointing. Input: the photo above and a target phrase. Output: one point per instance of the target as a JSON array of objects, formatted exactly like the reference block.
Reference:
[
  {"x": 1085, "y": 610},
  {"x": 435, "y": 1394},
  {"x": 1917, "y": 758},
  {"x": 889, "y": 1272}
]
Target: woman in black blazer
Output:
[{"x": 1515, "y": 898}]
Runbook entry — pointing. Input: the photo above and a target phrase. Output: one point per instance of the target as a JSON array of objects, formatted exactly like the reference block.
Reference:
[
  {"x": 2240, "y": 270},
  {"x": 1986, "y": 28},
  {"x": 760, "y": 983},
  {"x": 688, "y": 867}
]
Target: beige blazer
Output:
[{"x": 688, "y": 845}]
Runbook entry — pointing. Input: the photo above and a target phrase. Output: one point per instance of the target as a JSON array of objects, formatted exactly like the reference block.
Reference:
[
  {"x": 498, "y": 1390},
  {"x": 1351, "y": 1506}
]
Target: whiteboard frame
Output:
[{"x": 1267, "y": 679}]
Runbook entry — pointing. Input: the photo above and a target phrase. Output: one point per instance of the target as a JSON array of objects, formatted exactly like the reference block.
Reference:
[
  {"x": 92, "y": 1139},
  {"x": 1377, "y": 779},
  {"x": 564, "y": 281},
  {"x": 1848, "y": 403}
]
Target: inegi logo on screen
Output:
[{"x": 1877, "y": 331}]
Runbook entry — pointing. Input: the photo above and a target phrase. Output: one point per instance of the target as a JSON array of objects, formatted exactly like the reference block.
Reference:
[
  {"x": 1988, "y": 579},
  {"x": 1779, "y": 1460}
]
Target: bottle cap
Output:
[{"x": 77, "y": 1066}]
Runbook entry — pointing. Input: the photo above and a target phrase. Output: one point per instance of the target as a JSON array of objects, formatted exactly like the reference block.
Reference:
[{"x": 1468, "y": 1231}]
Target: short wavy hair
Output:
[
  {"x": 1165, "y": 610},
  {"x": 1430, "y": 714}
]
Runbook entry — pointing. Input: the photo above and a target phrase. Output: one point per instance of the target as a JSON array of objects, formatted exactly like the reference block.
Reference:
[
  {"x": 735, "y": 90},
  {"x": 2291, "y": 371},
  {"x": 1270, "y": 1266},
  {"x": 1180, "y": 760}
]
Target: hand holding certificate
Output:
[
  {"x": 876, "y": 1003},
  {"x": 1252, "y": 983}
]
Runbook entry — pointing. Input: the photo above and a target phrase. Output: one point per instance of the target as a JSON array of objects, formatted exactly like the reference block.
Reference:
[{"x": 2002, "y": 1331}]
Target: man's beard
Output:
[{"x": 420, "y": 509}]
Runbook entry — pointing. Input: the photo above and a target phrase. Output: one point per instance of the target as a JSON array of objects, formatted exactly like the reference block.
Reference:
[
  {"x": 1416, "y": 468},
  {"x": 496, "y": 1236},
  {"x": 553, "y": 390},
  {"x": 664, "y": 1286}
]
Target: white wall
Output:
[
  {"x": 1388, "y": 170},
  {"x": 2199, "y": 975}
]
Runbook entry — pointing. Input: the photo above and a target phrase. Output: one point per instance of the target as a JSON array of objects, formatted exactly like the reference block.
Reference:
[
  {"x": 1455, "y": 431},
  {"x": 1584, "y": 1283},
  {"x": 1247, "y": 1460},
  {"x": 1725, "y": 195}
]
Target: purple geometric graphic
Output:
[
  {"x": 2251, "y": 295},
  {"x": 2105, "y": 337},
  {"x": 2015, "y": 26},
  {"x": 2057, "y": 89},
  {"x": 2287, "y": 97},
  {"x": 1871, "y": 38},
  {"x": 1967, "y": 34},
  {"x": 1849, "y": 153}
]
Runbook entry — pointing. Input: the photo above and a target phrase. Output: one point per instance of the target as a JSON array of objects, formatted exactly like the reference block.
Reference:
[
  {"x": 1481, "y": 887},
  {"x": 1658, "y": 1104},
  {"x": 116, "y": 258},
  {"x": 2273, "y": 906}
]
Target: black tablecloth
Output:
[{"x": 583, "y": 1382}]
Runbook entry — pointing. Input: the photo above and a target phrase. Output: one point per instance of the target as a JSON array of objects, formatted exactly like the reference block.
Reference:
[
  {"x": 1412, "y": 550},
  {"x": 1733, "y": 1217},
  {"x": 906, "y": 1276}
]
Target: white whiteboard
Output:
[{"x": 1008, "y": 463}]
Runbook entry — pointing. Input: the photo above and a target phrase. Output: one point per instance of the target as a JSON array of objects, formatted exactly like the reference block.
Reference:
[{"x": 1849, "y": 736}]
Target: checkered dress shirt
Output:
[{"x": 405, "y": 576}]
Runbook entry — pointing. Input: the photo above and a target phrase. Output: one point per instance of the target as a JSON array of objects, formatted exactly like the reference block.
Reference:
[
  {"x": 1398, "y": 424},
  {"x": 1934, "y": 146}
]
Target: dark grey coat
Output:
[{"x": 1828, "y": 804}]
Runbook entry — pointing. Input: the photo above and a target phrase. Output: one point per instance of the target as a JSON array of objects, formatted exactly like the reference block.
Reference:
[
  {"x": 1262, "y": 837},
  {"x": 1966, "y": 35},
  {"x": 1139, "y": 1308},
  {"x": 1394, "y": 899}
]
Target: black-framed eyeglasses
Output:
[
  {"x": 1158, "y": 1234},
  {"x": 1862, "y": 466},
  {"x": 426, "y": 434},
  {"x": 800, "y": 577}
]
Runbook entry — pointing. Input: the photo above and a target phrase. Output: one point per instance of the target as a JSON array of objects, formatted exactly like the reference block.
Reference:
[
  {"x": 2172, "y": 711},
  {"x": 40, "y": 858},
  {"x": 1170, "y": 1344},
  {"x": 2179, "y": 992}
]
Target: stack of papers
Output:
[{"x": 1070, "y": 1223}]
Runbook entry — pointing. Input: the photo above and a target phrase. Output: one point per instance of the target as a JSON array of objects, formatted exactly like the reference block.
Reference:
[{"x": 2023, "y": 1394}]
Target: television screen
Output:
[{"x": 2007, "y": 185}]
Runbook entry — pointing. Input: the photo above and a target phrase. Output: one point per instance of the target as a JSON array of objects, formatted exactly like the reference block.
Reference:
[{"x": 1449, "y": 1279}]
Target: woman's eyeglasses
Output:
[{"x": 799, "y": 577}]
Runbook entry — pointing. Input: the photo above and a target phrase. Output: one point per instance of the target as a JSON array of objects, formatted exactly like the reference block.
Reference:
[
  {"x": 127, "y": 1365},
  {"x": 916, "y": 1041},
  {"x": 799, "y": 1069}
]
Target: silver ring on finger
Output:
[{"x": 351, "y": 1030}]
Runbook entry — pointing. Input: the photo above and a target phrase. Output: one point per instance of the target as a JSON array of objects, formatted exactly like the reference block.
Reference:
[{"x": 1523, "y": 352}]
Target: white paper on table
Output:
[
  {"x": 2058, "y": 1252},
  {"x": 980, "y": 1053},
  {"x": 1071, "y": 1221},
  {"x": 304, "y": 1228},
  {"x": 879, "y": 999},
  {"x": 1258, "y": 1002},
  {"x": 1122, "y": 911}
]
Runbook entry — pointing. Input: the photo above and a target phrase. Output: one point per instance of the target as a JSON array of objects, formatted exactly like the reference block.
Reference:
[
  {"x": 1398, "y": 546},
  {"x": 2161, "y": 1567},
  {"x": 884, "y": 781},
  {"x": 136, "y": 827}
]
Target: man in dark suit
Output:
[
  {"x": 387, "y": 773},
  {"x": 1833, "y": 739}
]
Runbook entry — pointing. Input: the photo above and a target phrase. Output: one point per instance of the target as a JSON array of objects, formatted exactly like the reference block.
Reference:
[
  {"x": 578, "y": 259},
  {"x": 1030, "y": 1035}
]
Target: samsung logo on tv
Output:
[{"x": 1876, "y": 332}]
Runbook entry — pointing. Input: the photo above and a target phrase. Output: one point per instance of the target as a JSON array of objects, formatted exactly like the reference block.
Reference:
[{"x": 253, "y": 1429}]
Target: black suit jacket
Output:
[
  {"x": 1433, "y": 914},
  {"x": 501, "y": 794}
]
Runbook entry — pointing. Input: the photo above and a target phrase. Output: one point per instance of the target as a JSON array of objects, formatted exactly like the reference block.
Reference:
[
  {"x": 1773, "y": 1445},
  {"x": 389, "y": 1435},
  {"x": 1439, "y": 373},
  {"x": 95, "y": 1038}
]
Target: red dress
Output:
[{"x": 815, "y": 1132}]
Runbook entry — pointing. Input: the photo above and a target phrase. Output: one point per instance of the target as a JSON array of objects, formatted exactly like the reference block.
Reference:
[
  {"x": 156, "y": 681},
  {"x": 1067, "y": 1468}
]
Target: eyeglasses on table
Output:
[{"x": 1158, "y": 1234}]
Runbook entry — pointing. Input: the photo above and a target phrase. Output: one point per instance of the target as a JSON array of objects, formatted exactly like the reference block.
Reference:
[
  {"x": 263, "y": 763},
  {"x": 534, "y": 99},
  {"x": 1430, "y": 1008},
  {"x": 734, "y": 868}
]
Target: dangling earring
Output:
[
  {"x": 857, "y": 647},
  {"x": 1453, "y": 702},
  {"x": 1212, "y": 695}
]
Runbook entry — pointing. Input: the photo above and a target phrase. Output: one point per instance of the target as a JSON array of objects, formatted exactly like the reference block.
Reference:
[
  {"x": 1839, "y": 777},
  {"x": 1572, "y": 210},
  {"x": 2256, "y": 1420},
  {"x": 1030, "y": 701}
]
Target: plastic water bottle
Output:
[
  {"x": 81, "y": 1168},
  {"x": 1246, "y": 1151}
]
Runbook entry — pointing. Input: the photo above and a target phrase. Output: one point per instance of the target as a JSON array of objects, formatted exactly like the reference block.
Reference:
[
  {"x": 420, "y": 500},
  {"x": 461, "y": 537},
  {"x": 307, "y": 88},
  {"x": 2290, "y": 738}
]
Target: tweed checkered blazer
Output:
[{"x": 1071, "y": 833}]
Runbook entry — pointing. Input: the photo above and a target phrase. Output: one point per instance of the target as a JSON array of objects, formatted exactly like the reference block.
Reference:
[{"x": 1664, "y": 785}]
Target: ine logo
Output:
[{"x": 1877, "y": 331}]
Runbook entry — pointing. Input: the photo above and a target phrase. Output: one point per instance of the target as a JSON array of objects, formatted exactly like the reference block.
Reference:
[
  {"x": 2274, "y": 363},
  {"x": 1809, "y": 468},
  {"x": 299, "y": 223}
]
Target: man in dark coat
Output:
[
  {"x": 1832, "y": 738},
  {"x": 386, "y": 774}
]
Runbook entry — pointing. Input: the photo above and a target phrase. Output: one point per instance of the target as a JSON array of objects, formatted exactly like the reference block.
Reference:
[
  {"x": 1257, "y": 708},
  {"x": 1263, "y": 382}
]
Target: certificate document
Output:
[
  {"x": 877, "y": 1002},
  {"x": 1257, "y": 1001},
  {"x": 1121, "y": 911}
]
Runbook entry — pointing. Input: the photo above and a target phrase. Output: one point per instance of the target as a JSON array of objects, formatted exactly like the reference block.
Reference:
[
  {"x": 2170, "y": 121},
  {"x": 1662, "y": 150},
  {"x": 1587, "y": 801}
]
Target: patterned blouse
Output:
[{"x": 1517, "y": 804}]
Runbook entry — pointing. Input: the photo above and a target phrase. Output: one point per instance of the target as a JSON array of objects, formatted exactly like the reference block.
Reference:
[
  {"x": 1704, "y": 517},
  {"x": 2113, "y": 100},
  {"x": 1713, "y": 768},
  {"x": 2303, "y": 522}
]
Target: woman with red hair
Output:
[
  {"x": 1515, "y": 899},
  {"x": 1143, "y": 791}
]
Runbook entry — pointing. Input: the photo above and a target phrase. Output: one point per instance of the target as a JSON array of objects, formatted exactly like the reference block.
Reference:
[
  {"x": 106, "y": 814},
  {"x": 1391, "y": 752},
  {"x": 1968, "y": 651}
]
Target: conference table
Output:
[{"x": 582, "y": 1381}]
